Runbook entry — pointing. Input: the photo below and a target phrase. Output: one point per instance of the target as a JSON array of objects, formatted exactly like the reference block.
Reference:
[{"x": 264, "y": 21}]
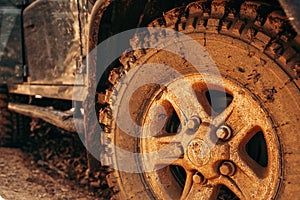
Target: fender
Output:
[
  {"x": 91, "y": 133},
  {"x": 95, "y": 20},
  {"x": 97, "y": 32}
]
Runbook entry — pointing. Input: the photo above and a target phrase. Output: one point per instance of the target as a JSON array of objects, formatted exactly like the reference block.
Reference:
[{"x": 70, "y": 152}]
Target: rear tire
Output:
[
  {"x": 6, "y": 124},
  {"x": 13, "y": 126}
]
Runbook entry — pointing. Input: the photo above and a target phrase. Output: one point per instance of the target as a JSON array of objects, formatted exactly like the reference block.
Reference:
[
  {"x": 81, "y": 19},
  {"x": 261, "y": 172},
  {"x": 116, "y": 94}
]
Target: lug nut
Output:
[
  {"x": 224, "y": 132},
  {"x": 193, "y": 123},
  {"x": 227, "y": 168},
  {"x": 198, "y": 178}
]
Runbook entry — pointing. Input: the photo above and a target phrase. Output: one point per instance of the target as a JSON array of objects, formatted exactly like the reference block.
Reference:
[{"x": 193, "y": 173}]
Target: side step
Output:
[{"x": 57, "y": 118}]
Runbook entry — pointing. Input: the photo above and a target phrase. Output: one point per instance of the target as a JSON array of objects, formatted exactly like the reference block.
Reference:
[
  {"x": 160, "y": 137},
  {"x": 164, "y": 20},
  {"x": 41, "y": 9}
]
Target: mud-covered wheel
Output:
[
  {"x": 174, "y": 133},
  {"x": 12, "y": 125},
  {"x": 6, "y": 125}
]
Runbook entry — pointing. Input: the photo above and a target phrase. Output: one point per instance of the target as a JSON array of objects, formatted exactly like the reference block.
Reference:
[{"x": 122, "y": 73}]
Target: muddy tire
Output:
[
  {"x": 6, "y": 125},
  {"x": 248, "y": 145},
  {"x": 12, "y": 125}
]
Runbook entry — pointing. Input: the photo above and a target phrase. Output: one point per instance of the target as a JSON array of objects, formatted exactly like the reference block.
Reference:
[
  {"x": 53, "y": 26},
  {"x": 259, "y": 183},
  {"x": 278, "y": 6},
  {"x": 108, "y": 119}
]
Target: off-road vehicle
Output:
[{"x": 202, "y": 104}]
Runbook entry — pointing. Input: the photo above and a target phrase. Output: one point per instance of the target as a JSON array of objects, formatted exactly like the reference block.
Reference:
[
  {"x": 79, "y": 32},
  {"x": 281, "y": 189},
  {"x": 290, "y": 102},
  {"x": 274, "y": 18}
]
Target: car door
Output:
[{"x": 52, "y": 40}]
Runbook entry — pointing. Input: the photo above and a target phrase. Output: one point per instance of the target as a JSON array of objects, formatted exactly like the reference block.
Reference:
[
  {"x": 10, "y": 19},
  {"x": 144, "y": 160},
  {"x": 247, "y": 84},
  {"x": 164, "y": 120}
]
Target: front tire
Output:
[{"x": 257, "y": 54}]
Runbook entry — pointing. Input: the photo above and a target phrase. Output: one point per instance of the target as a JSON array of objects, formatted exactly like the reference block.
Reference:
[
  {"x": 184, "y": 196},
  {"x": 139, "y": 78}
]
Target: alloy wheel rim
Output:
[{"x": 235, "y": 148}]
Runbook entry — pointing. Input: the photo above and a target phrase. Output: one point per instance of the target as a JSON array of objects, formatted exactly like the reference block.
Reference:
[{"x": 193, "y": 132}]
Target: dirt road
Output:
[{"x": 20, "y": 179}]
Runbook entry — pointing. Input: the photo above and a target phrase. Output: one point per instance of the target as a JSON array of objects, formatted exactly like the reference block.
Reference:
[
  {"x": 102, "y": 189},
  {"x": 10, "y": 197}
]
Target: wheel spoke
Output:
[
  {"x": 248, "y": 166},
  {"x": 239, "y": 115},
  {"x": 156, "y": 160},
  {"x": 232, "y": 185},
  {"x": 188, "y": 185},
  {"x": 241, "y": 185},
  {"x": 184, "y": 99},
  {"x": 248, "y": 178},
  {"x": 207, "y": 192},
  {"x": 244, "y": 134},
  {"x": 197, "y": 191},
  {"x": 163, "y": 140},
  {"x": 205, "y": 104},
  {"x": 163, "y": 151},
  {"x": 223, "y": 116},
  {"x": 239, "y": 109},
  {"x": 158, "y": 116}
]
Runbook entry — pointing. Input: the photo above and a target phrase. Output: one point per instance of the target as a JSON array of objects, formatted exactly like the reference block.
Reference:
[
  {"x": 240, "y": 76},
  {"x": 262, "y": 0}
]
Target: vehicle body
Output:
[{"x": 46, "y": 50}]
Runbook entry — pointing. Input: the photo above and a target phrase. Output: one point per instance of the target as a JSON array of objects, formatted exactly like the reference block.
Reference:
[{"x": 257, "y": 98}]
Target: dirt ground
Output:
[
  {"x": 49, "y": 164},
  {"x": 21, "y": 179}
]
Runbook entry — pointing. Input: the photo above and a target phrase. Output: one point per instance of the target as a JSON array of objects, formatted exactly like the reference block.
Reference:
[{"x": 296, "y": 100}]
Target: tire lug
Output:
[
  {"x": 193, "y": 123},
  {"x": 224, "y": 133},
  {"x": 198, "y": 178},
  {"x": 227, "y": 168},
  {"x": 116, "y": 189}
]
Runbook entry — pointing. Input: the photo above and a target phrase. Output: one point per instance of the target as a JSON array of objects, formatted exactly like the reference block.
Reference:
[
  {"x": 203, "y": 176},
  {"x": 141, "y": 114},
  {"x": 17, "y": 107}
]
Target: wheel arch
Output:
[{"x": 95, "y": 20}]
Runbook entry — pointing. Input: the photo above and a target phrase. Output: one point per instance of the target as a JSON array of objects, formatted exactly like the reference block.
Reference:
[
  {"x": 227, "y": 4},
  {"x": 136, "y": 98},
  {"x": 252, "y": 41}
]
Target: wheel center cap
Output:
[{"x": 198, "y": 152}]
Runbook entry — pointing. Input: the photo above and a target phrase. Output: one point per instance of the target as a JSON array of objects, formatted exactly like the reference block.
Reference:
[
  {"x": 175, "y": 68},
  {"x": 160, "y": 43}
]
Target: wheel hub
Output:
[{"x": 198, "y": 152}]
